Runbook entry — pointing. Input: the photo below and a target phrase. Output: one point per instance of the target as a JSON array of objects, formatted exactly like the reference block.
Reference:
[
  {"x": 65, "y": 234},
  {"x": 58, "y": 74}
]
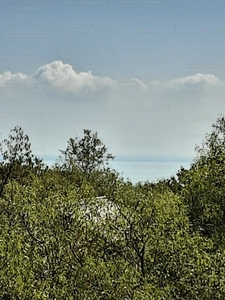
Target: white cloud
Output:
[
  {"x": 134, "y": 82},
  {"x": 199, "y": 81},
  {"x": 8, "y": 78},
  {"x": 195, "y": 79},
  {"x": 64, "y": 78},
  {"x": 141, "y": 116}
]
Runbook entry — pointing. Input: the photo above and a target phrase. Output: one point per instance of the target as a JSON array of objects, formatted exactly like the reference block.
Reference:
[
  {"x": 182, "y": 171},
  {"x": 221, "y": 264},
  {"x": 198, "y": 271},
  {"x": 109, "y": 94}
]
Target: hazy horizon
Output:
[{"x": 148, "y": 76}]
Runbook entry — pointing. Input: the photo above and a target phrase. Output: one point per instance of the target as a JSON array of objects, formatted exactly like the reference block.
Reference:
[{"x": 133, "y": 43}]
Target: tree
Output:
[
  {"x": 204, "y": 184},
  {"x": 60, "y": 242},
  {"x": 17, "y": 156},
  {"x": 87, "y": 155},
  {"x": 213, "y": 147}
]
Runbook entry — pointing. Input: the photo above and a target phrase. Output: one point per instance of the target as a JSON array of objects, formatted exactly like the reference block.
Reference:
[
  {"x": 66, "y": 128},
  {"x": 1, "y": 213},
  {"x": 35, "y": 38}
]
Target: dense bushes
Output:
[{"x": 153, "y": 241}]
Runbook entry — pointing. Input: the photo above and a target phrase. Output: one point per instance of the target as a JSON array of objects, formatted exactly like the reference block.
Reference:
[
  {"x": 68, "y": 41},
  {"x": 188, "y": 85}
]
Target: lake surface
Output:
[
  {"x": 142, "y": 169},
  {"x": 148, "y": 170}
]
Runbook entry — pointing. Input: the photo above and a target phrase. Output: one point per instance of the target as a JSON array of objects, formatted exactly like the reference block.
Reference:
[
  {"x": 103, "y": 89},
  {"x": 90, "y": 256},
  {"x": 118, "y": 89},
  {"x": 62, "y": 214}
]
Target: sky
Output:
[{"x": 147, "y": 75}]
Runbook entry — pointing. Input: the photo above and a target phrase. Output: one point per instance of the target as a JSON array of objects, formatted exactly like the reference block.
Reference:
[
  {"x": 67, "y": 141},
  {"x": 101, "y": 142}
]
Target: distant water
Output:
[
  {"x": 152, "y": 171},
  {"x": 139, "y": 170}
]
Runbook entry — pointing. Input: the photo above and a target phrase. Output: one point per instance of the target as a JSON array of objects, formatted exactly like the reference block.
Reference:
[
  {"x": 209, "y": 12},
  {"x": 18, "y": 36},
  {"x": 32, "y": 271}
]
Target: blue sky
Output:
[{"x": 148, "y": 75}]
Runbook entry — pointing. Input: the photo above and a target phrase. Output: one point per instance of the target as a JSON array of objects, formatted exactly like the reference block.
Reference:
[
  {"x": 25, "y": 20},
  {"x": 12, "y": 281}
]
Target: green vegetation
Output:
[{"x": 61, "y": 239}]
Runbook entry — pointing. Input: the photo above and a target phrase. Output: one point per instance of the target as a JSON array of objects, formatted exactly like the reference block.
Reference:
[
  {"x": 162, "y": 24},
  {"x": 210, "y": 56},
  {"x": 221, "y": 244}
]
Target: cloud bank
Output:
[
  {"x": 198, "y": 78},
  {"x": 9, "y": 78},
  {"x": 139, "y": 116},
  {"x": 62, "y": 78}
]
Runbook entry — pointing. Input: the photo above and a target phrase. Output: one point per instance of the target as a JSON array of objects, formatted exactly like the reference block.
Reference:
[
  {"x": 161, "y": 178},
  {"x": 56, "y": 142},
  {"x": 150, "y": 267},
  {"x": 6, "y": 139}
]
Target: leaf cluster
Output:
[{"x": 80, "y": 231}]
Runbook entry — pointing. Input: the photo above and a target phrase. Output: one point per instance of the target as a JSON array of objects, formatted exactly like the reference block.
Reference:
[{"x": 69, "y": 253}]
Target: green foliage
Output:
[
  {"x": 56, "y": 243},
  {"x": 64, "y": 235},
  {"x": 204, "y": 185},
  {"x": 17, "y": 158},
  {"x": 87, "y": 154}
]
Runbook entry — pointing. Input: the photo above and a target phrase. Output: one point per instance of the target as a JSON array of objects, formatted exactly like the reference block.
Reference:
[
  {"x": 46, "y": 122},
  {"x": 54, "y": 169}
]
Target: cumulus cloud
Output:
[
  {"x": 8, "y": 78},
  {"x": 197, "y": 82},
  {"x": 61, "y": 77},
  {"x": 64, "y": 78},
  {"x": 198, "y": 78},
  {"x": 134, "y": 82}
]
